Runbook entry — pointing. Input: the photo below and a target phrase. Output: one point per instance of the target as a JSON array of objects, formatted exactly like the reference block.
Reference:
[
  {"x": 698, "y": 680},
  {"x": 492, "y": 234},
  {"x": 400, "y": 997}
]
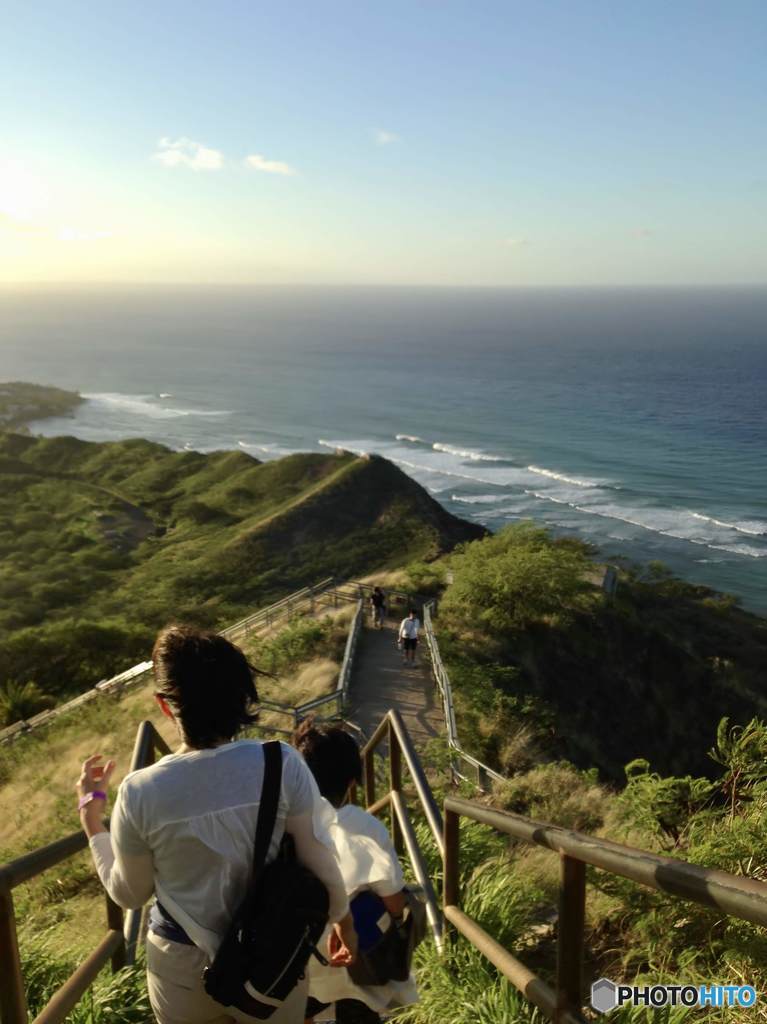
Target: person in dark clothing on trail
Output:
[{"x": 378, "y": 602}]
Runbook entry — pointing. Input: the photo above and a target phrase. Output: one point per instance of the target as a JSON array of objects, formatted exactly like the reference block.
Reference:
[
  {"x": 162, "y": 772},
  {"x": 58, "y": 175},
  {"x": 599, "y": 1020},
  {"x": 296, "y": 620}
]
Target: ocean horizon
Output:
[{"x": 634, "y": 419}]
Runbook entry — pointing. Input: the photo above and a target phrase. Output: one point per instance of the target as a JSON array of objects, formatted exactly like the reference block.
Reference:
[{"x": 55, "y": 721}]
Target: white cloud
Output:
[
  {"x": 188, "y": 153},
  {"x": 516, "y": 242},
  {"x": 260, "y": 163},
  {"x": 386, "y": 138}
]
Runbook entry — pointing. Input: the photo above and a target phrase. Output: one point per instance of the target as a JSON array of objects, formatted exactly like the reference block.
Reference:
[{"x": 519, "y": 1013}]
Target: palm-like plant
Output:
[{"x": 21, "y": 700}]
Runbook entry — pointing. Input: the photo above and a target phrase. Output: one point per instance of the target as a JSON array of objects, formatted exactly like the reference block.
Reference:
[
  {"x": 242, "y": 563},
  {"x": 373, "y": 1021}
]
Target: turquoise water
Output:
[{"x": 633, "y": 419}]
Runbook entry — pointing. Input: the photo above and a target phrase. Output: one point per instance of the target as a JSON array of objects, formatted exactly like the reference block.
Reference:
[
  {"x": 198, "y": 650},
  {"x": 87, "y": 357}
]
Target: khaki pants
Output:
[{"x": 174, "y": 980}]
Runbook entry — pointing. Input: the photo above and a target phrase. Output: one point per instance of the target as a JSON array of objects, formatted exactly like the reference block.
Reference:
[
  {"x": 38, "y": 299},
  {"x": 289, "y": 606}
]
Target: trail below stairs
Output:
[{"x": 380, "y": 680}]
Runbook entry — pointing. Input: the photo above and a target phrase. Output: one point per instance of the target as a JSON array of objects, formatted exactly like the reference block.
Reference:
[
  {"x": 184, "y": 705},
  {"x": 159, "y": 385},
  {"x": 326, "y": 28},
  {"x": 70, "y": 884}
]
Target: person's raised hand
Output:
[{"x": 94, "y": 775}]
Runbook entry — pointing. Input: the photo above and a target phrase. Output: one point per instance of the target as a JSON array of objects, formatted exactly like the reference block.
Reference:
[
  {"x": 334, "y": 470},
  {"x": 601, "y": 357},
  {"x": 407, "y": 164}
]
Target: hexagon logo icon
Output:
[{"x": 604, "y": 995}]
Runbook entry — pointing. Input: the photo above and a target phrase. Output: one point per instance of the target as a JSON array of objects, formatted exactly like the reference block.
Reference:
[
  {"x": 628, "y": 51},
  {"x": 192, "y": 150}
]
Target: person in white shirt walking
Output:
[
  {"x": 408, "y": 636},
  {"x": 372, "y": 875},
  {"x": 184, "y": 828}
]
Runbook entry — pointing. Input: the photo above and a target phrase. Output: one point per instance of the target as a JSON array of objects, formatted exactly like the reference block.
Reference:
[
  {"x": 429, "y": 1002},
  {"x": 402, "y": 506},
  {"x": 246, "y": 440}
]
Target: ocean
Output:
[{"x": 633, "y": 419}]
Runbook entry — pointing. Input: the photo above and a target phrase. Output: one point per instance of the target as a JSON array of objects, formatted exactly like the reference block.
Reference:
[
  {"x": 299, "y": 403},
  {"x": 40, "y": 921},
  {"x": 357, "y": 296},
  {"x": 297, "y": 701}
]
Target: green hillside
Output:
[
  {"x": 544, "y": 664},
  {"x": 100, "y": 544},
  {"x": 21, "y": 403}
]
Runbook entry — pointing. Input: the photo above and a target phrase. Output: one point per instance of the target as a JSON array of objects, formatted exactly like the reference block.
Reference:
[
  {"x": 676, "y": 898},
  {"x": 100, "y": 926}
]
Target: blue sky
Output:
[{"x": 398, "y": 143}]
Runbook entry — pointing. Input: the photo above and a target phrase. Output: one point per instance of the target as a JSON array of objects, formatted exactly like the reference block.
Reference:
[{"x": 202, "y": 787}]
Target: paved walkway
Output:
[{"x": 381, "y": 681}]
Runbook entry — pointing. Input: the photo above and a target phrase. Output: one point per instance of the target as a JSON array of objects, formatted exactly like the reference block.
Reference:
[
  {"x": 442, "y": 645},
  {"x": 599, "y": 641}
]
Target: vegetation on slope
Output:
[
  {"x": 559, "y": 687},
  {"x": 542, "y": 661},
  {"x": 64, "y": 908},
  {"x": 103, "y": 543},
  {"x": 21, "y": 403}
]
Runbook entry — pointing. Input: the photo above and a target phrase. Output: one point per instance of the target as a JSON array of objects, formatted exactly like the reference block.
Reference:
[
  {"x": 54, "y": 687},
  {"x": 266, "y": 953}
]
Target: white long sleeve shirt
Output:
[{"x": 185, "y": 826}]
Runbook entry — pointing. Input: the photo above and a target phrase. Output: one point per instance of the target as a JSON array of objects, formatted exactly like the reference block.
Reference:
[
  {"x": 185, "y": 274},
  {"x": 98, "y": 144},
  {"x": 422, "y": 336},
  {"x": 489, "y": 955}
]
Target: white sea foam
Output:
[
  {"x": 165, "y": 394},
  {"x": 146, "y": 406},
  {"x": 564, "y": 479},
  {"x": 466, "y": 453},
  {"x": 270, "y": 450},
  {"x": 550, "y": 497},
  {"x": 478, "y": 499},
  {"x": 413, "y": 438},
  {"x": 753, "y": 527},
  {"x": 740, "y": 549},
  {"x": 588, "y": 497}
]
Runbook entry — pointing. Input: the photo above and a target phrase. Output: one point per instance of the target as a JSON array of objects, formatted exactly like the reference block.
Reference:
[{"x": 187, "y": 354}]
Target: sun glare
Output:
[{"x": 23, "y": 196}]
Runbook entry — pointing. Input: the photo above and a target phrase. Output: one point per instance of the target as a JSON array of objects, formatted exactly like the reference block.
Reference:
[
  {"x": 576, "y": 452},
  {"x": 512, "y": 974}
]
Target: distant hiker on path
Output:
[
  {"x": 408, "y": 636},
  {"x": 378, "y": 601}
]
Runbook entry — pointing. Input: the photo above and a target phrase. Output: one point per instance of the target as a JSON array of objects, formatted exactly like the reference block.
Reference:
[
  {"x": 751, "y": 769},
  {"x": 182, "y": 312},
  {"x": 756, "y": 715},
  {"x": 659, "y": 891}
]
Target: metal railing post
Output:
[
  {"x": 369, "y": 773},
  {"x": 451, "y": 886},
  {"x": 395, "y": 784},
  {"x": 572, "y": 907},
  {"x": 13, "y": 1001},
  {"x": 115, "y": 923}
]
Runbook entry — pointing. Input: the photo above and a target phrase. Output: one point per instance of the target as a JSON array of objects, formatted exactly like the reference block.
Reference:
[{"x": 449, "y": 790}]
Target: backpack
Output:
[
  {"x": 277, "y": 926},
  {"x": 385, "y": 946}
]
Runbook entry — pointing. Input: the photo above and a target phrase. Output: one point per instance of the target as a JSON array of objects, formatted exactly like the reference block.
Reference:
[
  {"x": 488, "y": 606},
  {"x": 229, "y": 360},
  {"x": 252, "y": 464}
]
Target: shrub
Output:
[
  {"x": 21, "y": 700},
  {"x": 516, "y": 577}
]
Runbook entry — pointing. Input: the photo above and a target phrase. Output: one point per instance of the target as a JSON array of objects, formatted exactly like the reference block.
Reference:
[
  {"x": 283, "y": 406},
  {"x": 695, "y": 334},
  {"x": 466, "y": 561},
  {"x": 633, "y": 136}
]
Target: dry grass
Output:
[
  {"x": 37, "y": 802},
  {"x": 313, "y": 679},
  {"x": 555, "y": 792}
]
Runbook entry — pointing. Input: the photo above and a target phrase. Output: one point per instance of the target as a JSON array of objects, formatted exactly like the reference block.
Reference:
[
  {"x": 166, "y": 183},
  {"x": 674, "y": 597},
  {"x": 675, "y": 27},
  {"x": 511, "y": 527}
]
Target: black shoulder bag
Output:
[{"x": 278, "y": 924}]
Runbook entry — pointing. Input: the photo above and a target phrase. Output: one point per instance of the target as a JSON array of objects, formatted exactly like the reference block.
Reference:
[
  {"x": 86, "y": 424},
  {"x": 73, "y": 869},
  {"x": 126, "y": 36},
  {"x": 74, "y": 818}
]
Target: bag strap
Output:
[{"x": 267, "y": 811}]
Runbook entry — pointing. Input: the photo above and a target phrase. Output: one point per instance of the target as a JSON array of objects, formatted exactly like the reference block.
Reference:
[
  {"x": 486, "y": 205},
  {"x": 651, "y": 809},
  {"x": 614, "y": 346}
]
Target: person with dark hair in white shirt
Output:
[
  {"x": 408, "y": 636},
  {"x": 184, "y": 828},
  {"x": 371, "y": 870}
]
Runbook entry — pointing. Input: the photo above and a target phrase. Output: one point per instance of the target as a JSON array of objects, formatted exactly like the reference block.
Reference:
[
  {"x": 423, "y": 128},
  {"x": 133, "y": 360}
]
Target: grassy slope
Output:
[
  {"x": 103, "y": 543},
  {"x": 38, "y": 770}
]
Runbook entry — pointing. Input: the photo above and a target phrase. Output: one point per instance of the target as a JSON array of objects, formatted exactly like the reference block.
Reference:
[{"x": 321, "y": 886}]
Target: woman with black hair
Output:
[
  {"x": 184, "y": 827},
  {"x": 370, "y": 868}
]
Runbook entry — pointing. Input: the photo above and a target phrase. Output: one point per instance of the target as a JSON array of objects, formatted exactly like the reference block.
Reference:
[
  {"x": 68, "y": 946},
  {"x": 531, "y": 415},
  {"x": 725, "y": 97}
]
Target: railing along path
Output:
[
  {"x": 326, "y": 594},
  {"x": 481, "y": 774},
  {"x": 561, "y": 1002}
]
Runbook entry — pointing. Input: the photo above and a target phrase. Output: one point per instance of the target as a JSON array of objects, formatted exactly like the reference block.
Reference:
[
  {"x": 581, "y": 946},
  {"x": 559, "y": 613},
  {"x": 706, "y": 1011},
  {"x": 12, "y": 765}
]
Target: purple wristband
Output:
[{"x": 85, "y": 799}]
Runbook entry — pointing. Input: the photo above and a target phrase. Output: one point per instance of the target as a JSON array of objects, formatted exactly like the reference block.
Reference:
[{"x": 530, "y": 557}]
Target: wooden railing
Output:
[
  {"x": 113, "y": 946},
  {"x": 13, "y": 1004},
  {"x": 733, "y": 895}
]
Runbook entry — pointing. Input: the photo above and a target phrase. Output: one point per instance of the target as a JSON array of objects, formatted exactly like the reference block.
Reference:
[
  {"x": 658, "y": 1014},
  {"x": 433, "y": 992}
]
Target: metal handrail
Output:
[
  {"x": 345, "y": 675},
  {"x": 482, "y": 773},
  {"x": 148, "y": 744},
  {"x": 400, "y": 745},
  {"x": 744, "y": 898},
  {"x": 137, "y": 673},
  {"x": 13, "y": 1002}
]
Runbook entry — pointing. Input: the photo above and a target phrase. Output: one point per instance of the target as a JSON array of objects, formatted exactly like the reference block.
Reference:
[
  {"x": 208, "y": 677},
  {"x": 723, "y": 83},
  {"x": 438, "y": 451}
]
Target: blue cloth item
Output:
[
  {"x": 162, "y": 924},
  {"x": 368, "y": 910}
]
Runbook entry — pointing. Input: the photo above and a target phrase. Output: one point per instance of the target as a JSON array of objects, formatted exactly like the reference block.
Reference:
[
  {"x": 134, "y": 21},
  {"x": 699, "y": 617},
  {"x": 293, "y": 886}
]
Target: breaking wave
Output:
[
  {"x": 564, "y": 479},
  {"x": 146, "y": 406},
  {"x": 752, "y": 527},
  {"x": 466, "y": 453},
  {"x": 478, "y": 499}
]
